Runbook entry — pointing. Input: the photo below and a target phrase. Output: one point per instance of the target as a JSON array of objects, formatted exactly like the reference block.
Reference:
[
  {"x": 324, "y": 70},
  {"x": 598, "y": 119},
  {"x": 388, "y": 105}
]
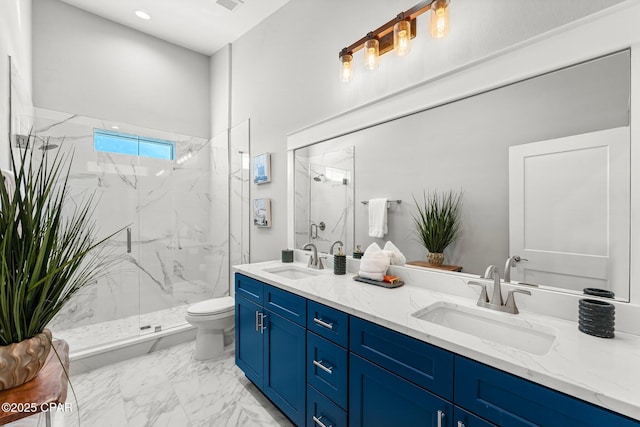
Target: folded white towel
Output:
[
  {"x": 395, "y": 256},
  {"x": 377, "y": 217},
  {"x": 374, "y": 263}
]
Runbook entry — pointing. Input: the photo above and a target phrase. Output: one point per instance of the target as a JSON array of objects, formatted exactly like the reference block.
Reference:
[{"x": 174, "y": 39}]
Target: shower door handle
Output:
[{"x": 129, "y": 240}]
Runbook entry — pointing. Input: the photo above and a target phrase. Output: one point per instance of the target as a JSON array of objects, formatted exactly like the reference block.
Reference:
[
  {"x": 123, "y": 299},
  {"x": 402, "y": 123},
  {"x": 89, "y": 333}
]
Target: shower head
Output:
[{"x": 318, "y": 178}]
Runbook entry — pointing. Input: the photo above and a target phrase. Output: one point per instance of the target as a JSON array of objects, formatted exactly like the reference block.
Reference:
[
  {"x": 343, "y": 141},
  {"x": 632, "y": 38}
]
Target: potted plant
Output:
[
  {"x": 437, "y": 222},
  {"x": 46, "y": 256}
]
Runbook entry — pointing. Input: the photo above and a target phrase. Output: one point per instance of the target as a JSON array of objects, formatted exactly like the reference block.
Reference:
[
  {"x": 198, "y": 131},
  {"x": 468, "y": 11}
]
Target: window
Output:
[{"x": 133, "y": 145}]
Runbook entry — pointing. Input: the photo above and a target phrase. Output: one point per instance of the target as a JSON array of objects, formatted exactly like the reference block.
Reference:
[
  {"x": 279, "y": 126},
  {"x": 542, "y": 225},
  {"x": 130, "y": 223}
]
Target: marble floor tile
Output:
[{"x": 165, "y": 388}]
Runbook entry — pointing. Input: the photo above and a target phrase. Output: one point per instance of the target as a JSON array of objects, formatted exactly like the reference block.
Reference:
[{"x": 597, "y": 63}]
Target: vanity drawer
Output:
[
  {"x": 322, "y": 411},
  {"x": 421, "y": 363},
  {"x": 327, "y": 368},
  {"x": 507, "y": 400},
  {"x": 286, "y": 304},
  {"x": 328, "y": 323},
  {"x": 249, "y": 288}
]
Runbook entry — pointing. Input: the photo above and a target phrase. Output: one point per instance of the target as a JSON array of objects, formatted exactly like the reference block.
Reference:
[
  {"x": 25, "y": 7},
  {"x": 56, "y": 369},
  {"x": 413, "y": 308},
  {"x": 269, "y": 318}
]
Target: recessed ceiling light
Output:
[{"x": 143, "y": 15}]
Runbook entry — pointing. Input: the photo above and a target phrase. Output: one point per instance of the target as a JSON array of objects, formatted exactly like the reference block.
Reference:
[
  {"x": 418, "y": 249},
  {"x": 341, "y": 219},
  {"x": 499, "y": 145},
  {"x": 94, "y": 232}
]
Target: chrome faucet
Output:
[
  {"x": 333, "y": 245},
  {"x": 511, "y": 262},
  {"x": 314, "y": 261},
  {"x": 496, "y": 302}
]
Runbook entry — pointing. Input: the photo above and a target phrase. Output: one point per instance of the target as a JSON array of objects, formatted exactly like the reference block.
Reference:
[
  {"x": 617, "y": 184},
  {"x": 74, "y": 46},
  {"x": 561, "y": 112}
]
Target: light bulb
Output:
[
  {"x": 346, "y": 68},
  {"x": 439, "y": 18},
  {"x": 402, "y": 38},
  {"x": 371, "y": 54}
]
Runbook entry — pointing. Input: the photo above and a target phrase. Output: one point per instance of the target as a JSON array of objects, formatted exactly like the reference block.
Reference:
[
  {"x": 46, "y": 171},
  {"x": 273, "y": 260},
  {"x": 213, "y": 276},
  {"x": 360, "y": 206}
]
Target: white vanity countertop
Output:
[{"x": 605, "y": 372}]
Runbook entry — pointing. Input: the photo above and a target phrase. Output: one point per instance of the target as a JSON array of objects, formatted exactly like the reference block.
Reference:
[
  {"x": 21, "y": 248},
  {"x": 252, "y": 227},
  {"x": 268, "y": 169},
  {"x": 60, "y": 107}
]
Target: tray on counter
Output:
[{"x": 378, "y": 283}]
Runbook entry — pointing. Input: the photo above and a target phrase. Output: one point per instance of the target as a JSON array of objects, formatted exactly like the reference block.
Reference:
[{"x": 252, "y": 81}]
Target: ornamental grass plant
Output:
[
  {"x": 437, "y": 219},
  {"x": 48, "y": 251}
]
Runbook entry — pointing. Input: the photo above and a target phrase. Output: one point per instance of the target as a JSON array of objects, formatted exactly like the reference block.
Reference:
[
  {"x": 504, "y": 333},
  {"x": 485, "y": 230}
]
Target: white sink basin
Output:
[
  {"x": 501, "y": 328},
  {"x": 292, "y": 272}
]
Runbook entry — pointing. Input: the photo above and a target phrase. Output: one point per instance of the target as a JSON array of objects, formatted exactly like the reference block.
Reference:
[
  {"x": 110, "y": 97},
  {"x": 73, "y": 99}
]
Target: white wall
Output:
[
  {"x": 285, "y": 71},
  {"x": 87, "y": 65},
  {"x": 15, "y": 41}
]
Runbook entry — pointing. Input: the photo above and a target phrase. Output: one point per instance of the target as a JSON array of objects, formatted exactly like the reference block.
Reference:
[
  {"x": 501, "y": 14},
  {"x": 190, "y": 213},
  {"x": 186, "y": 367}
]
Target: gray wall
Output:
[
  {"x": 285, "y": 71},
  {"x": 87, "y": 65},
  {"x": 15, "y": 41}
]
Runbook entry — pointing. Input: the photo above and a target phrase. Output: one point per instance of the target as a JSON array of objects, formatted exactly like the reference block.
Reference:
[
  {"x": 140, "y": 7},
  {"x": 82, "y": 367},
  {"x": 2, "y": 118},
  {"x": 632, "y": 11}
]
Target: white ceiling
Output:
[{"x": 200, "y": 25}]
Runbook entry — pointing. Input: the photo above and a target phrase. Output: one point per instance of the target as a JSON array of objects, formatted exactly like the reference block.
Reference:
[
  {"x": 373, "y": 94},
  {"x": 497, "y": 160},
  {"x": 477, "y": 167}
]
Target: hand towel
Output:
[
  {"x": 395, "y": 256},
  {"x": 377, "y": 217},
  {"x": 374, "y": 263}
]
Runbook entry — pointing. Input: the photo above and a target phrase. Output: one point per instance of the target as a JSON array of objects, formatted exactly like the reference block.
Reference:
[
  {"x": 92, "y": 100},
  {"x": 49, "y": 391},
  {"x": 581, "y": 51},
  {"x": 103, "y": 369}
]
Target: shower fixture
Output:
[
  {"x": 46, "y": 146},
  {"x": 319, "y": 178}
]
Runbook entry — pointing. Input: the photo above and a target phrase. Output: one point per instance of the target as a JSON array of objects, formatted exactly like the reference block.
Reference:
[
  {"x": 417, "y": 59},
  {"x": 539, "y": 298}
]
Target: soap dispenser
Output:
[
  {"x": 357, "y": 254},
  {"x": 339, "y": 262}
]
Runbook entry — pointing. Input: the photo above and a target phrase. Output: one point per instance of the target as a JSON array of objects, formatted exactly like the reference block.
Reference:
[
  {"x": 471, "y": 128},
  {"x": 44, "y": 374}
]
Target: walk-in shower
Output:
[{"x": 160, "y": 201}]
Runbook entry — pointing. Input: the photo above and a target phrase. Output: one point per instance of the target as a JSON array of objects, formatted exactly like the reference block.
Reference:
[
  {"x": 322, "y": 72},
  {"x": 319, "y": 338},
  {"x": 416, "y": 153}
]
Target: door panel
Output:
[{"x": 569, "y": 201}]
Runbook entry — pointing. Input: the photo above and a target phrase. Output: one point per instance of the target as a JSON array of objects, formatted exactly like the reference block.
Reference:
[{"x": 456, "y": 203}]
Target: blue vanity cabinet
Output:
[
  {"x": 327, "y": 366},
  {"x": 271, "y": 343},
  {"x": 397, "y": 380},
  {"x": 249, "y": 339},
  {"x": 507, "y": 400},
  {"x": 378, "y": 397},
  {"x": 284, "y": 365}
]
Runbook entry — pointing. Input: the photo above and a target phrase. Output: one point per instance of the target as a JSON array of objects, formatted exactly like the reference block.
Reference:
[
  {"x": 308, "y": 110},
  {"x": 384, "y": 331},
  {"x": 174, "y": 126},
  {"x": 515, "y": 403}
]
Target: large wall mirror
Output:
[{"x": 543, "y": 164}]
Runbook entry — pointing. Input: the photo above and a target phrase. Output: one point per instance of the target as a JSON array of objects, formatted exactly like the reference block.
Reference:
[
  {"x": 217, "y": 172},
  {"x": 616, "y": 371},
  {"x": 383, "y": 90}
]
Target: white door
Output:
[{"x": 569, "y": 201}]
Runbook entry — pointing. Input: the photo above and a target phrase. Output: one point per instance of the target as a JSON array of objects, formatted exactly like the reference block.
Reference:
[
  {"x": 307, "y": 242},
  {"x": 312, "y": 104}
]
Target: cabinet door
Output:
[
  {"x": 508, "y": 400},
  {"x": 249, "y": 355},
  {"x": 379, "y": 398},
  {"x": 284, "y": 362}
]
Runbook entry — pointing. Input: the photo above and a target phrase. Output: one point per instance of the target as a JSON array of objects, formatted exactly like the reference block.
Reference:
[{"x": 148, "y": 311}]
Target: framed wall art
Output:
[
  {"x": 262, "y": 212},
  {"x": 262, "y": 168}
]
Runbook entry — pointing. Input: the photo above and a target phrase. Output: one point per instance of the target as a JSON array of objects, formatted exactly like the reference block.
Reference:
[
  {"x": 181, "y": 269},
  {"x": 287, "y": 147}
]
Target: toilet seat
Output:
[{"x": 212, "y": 306}]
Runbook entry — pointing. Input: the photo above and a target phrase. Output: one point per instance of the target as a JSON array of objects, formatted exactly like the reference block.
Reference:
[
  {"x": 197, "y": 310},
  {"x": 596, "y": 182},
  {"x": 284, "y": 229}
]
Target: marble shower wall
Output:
[
  {"x": 324, "y": 191},
  {"x": 176, "y": 251},
  {"x": 239, "y": 220}
]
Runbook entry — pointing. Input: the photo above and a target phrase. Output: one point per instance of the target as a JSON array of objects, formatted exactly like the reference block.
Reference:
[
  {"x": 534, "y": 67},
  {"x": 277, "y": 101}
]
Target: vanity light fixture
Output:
[
  {"x": 439, "y": 18},
  {"x": 395, "y": 35},
  {"x": 346, "y": 67},
  {"x": 371, "y": 52},
  {"x": 142, "y": 14},
  {"x": 402, "y": 36}
]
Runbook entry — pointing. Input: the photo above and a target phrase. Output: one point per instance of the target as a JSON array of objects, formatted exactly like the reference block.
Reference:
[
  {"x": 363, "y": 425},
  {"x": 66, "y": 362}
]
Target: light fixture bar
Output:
[{"x": 385, "y": 31}]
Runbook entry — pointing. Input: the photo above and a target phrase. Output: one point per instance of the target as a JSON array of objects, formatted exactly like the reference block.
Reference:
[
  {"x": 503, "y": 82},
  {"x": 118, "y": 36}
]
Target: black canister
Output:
[
  {"x": 596, "y": 318},
  {"x": 339, "y": 263},
  {"x": 287, "y": 255},
  {"x": 596, "y": 292}
]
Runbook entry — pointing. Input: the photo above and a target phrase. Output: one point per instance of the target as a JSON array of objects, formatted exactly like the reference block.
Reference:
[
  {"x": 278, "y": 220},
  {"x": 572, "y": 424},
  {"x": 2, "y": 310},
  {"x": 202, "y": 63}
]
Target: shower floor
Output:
[{"x": 100, "y": 334}]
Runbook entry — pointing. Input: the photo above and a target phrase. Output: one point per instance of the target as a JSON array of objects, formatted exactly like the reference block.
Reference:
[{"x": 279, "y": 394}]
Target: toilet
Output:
[{"x": 212, "y": 317}]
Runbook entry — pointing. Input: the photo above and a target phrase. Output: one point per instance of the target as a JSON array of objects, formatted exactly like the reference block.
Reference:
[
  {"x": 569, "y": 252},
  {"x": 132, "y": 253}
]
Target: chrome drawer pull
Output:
[
  {"x": 262, "y": 326},
  {"x": 320, "y": 423},
  {"x": 323, "y": 323},
  {"x": 440, "y": 417},
  {"x": 460, "y": 424},
  {"x": 257, "y": 321},
  {"x": 319, "y": 364}
]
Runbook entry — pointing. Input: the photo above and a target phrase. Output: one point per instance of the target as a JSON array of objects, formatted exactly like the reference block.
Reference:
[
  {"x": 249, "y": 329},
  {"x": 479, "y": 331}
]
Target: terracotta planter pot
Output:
[
  {"x": 435, "y": 258},
  {"x": 20, "y": 362}
]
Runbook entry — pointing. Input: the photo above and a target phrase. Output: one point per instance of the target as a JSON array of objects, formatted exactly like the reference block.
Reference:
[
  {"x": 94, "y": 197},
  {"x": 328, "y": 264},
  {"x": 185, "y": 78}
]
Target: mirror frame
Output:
[{"x": 547, "y": 52}]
